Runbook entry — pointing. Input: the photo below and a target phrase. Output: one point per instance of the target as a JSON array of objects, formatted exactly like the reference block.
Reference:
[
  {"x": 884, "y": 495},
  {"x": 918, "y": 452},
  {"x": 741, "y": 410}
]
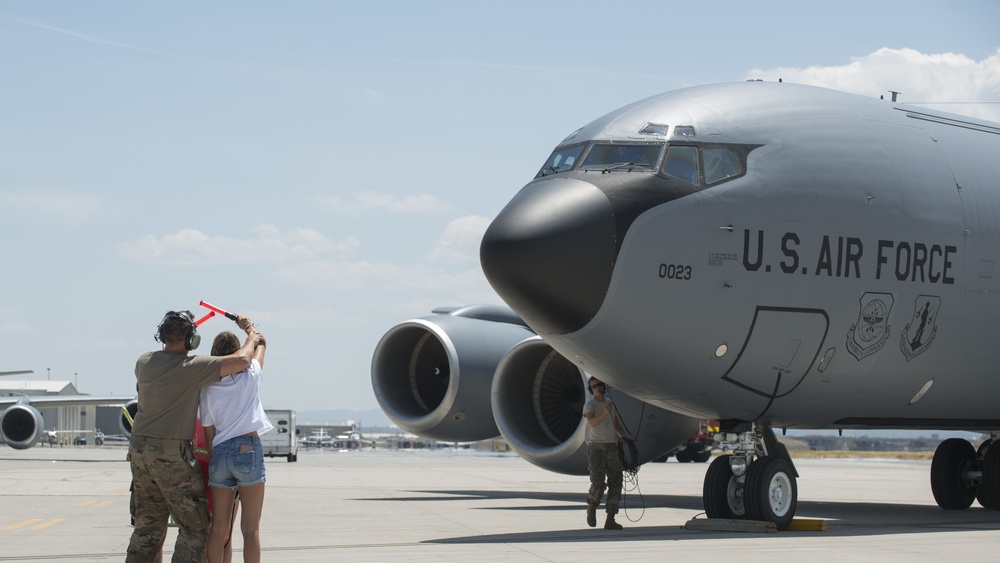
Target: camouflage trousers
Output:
[
  {"x": 604, "y": 463},
  {"x": 167, "y": 482}
]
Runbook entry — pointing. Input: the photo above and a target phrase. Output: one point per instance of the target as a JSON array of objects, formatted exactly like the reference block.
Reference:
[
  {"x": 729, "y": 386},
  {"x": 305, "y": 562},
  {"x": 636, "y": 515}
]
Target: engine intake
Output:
[
  {"x": 125, "y": 422},
  {"x": 432, "y": 375},
  {"x": 21, "y": 426},
  {"x": 538, "y": 397}
]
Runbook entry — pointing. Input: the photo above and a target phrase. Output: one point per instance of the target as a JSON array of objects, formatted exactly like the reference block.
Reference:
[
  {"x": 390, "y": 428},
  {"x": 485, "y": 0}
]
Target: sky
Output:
[{"x": 328, "y": 168}]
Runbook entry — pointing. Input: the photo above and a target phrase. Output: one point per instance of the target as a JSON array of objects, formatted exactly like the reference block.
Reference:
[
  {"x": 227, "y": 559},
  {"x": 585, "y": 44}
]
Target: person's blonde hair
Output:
[{"x": 225, "y": 343}]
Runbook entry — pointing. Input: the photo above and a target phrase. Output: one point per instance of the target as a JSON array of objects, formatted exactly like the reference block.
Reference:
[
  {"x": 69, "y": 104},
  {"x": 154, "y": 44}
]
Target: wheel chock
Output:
[
  {"x": 730, "y": 525},
  {"x": 806, "y": 525},
  {"x": 735, "y": 525}
]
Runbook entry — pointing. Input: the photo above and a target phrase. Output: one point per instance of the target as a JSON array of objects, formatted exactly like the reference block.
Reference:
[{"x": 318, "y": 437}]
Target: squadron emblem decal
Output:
[
  {"x": 871, "y": 331},
  {"x": 920, "y": 332}
]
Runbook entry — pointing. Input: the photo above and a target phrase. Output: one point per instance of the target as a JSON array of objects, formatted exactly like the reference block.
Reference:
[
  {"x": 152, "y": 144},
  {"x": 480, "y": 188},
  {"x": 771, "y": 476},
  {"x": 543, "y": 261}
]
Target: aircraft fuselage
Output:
[{"x": 837, "y": 272}]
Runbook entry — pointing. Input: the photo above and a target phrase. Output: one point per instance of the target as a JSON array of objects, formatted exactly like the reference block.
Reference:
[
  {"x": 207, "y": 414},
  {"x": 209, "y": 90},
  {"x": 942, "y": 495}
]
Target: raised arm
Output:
[
  {"x": 258, "y": 353},
  {"x": 239, "y": 360},
  {"x": 596, "y": 418}
]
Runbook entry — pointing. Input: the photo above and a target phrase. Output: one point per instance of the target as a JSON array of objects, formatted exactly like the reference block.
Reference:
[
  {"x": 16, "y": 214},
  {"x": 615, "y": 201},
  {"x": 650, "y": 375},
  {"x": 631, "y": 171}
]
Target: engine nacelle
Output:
[
  {"x": 538, "y": 397},
  {"x": 21, "y": 426},
  {"x": 432, "y": 375},
  {"x": 125, "y": 422}
]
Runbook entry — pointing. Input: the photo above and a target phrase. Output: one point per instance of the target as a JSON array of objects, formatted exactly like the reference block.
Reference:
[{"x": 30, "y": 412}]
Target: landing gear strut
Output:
[{"x": 757, "y": 482}]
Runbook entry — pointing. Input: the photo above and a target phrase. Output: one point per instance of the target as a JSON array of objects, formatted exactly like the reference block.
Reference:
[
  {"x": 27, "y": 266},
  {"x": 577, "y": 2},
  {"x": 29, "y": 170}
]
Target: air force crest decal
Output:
[
  {"x": 920, "y": 332},
  {"x": 871, "y": 331}
]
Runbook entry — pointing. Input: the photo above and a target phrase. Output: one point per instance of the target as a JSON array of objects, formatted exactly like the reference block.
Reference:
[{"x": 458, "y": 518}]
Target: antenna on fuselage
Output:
[{"x": 894, "y": 94}]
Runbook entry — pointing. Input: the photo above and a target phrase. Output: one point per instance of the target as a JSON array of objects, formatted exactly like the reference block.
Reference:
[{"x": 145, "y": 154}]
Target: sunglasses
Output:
[{"x": 596, "y": 385}]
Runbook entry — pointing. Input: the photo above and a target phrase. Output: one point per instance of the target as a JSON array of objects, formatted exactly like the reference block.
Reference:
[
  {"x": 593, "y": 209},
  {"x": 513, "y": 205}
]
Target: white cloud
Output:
[
  {"x": 921, "y": 78},
  {"x": 306, "y": 258},
  {"x": 58, "y": 205},
  {"x": 460, "y": 240},
  {"x": 369, "y": 200},
  {"x": 190, "y": 247}
]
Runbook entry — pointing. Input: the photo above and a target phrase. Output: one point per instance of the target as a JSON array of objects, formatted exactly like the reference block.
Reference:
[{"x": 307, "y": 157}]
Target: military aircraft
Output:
[
  {"x": 768, "y": 255},
  {"x": 22, "y": 425}
]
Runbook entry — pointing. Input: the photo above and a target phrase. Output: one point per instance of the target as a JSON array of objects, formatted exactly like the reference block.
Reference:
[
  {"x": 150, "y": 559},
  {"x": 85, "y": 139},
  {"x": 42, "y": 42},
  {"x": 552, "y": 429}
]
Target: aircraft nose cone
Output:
[{"x": 549, "y": 254}]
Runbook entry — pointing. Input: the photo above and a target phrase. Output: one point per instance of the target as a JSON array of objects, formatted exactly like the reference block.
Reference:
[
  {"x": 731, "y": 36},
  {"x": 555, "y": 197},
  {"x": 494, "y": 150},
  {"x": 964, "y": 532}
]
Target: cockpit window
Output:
[
  {"x": 611, "y": 157},
  {"x": 561, "y": 160},
  {"x": 571, "y": 136},
  {"x": 654, "y": 129},
  {"x": 696, "y": 164},
  {"x": 720, "y": 163},
  {"x": 682, "y": 163},
  {"x": 684, "y": 131}
]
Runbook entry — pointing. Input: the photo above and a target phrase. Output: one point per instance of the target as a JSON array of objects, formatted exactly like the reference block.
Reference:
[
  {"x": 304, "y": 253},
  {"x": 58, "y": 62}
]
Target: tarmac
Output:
[{"x": 71, "y": 504}]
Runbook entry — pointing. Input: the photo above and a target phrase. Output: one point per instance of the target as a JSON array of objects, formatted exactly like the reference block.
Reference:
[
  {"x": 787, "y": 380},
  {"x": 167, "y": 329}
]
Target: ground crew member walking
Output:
[{"x": 603, "y": 432}]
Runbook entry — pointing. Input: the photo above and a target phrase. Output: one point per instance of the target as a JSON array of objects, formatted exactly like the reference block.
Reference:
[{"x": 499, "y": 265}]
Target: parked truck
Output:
[
  {"x": 698, "y": 448},
  {"x": 283, "y": 440}
]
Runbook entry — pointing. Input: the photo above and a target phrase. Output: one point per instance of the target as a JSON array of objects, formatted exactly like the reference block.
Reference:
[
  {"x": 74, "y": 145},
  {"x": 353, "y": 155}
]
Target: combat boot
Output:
[
  {"x": 591, "y": 516},
  {"x": 610, "y": 523}
]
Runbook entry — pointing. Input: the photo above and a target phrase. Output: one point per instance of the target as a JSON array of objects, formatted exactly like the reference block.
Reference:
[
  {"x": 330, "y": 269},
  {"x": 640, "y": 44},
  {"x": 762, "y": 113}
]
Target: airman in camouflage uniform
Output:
[
  {"x": 165, "y": 475},
  {"x": 603, "y": 460},
  {"x": 603, "y": 432},
  {"x": 166, "y": 483}
]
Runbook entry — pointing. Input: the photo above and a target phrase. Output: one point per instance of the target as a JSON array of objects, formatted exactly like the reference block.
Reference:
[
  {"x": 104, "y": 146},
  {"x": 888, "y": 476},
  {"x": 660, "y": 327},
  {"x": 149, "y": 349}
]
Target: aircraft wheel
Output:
[
  {"x": 702, "y": 457},
  {"x": 683, "y": 456},
  {"x": 952, "y": 490},
  {"x": 771, "y": 494},
  {"x": 722, "y": 495},
  {"x": 989, "y": 488},
  {"x": 981, "y": 460}
]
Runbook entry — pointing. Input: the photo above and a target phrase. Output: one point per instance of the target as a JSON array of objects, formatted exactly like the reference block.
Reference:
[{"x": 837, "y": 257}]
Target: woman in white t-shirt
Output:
[{"x": 234, "y": 419}]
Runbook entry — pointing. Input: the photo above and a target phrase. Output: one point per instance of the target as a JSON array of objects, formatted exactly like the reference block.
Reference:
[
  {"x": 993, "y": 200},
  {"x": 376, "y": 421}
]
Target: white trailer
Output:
[{"x": 283, "y": 440}]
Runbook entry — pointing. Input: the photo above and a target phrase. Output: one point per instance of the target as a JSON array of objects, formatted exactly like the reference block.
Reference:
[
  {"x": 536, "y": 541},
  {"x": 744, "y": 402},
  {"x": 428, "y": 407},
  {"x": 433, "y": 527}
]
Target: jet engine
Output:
[
  {"x": 21, "y": 426},
  {"x": 538, "y": 397},
  {"x": 432, "y": 375},
  {"x": 125, "y": 422}
]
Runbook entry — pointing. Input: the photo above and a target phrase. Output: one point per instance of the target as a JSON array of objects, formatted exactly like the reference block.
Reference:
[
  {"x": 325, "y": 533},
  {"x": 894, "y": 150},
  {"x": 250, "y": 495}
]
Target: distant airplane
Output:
[
  {"x": 768, "y": 255},
  {"x": 351, "y": 441},
  {"x": 22, "y": 425},
  {"x": 319, "y": 438},
  {"x": 22, "y": 372}
]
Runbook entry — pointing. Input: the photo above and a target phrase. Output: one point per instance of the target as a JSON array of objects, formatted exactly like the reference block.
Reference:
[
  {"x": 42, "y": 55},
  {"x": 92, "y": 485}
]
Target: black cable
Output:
[
  {"x": 632, "y": 479},
  {"x": 628, "y": 454}
]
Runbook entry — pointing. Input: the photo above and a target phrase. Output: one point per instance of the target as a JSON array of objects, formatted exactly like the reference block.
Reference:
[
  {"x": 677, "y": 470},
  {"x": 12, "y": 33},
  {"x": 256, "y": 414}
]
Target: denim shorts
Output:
[{"x": 230, "y": 468}]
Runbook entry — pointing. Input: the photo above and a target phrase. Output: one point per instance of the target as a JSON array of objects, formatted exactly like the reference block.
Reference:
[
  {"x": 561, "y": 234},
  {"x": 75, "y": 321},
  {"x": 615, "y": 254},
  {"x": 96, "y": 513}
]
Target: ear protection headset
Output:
[{"x": 193, "y": 338}]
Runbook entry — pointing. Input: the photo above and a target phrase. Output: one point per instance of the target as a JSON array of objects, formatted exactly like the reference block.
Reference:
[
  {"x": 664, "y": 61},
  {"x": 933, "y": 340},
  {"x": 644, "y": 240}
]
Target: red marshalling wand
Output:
[{"x": 215, "y": 309}]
